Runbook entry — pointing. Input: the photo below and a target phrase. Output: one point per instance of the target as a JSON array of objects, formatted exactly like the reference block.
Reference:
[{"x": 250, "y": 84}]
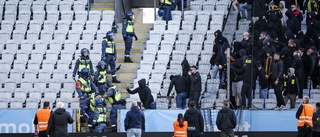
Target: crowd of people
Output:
[{"x": 275, "y": 52}]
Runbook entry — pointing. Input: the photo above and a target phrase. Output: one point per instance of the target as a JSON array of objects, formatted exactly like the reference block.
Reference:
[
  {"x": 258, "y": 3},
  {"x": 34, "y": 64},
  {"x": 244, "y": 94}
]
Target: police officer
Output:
[
  {"x": 100, "y": 116},
  {"x": 167, "y": 6},
  {"x": 109, "y": 53},
  {"x": 101, "y": 75},
  {"x": 115, "y": 99},
  {"x": 128, "y": 33},
  {"x": 84, "y": 88},
  {"x": 83, "y": 62}
]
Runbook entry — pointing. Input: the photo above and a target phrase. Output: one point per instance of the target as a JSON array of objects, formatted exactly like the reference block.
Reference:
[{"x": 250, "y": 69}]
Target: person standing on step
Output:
[
  {"x": 109, "y": 54},
  {"x": 100, "y": 76},
  {"x": 83, "y": 62},
  {"x": 127, "y": 34}
]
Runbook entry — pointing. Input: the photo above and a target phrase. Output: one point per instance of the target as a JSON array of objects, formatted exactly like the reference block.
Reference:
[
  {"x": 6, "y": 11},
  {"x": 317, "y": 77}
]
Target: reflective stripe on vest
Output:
[
  {"x": 43, "y": 116},
  {"x": 84, "y": 64},
  {"x": 117, "y": 96},
  {"x": 102, "y": 117},
  {"x": 306, "y": 115},
  {"x": 85, "y": 86},
  {"x": 110, "y": 47},
  {"x": 292, "y": 80},
  {"x": 166, "y": 2},
  {"x": 130, "y": 27},
  {"x": 180, "y": 131},
  {"x": 103, "y": 76},
  {"x": 92, "y": 101}
]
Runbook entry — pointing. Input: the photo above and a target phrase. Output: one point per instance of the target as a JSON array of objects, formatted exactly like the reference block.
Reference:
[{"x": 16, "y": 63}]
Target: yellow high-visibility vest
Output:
[
  {"x": 110, "y": 48},
  {"x": 84, "y": 63},
  {"x": 85, "y": 86},
  {"x": 117, "y": 96},
  {"x": 102, "y": 116},
  {"x": 104, "y": 76},
  {"x": 130, "y": 27}
]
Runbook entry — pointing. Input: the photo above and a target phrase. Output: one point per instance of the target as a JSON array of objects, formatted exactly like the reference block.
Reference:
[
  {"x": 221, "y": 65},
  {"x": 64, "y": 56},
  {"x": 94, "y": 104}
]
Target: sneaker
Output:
[
  {"x": 277, "y": 108},
  {"x": 283, "y": 107}
]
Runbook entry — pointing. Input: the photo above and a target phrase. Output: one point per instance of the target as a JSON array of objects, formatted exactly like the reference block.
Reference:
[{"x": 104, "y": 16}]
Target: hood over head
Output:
[
  {"x": 142, "y": 83},
  {"x": 218, "y": 33},
  {"x": 185, "y": 64},
  {"x": 242, "y": 52},
  {"x": 291, "y": 71}
]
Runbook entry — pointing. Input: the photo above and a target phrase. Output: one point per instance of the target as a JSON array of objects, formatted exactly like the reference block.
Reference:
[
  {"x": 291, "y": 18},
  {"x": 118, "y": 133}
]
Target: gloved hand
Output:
[
  {"x": 118, "y": 68},
  {"x": 136, "y": 38},
  {"x": 115, "y": 58}
]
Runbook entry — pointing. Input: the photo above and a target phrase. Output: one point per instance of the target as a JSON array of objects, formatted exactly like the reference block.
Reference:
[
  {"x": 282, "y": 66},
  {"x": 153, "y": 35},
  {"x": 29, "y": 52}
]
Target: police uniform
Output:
[
  {"x": 128, "y": 33},
  {"x": 84, "y": 88},
  {"x": 83, "y": 62},
  {"x": 100, "y": 119},
  {"x": 167, "y": 5},
  {"x": 109, "y": 53},
  {"x": 115, "y": 99}
]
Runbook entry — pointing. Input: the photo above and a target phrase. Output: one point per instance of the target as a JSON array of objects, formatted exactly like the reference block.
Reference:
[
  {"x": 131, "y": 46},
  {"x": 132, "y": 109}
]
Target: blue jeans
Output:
[
  {"x": 263, "y": 93},
  {"x": 222, "y": 78},
  {"x": 101, "y": 128},
  {"x": 215, "y": 70},
  {"x": 134, "y": 132},
  {"x": 152, "y": 105},
  {"x": 181, "y": 100},
  {"x": 194, "y": 96},
  {"x": 128, "y": 45},
  {"x": 244, "y": 7}
]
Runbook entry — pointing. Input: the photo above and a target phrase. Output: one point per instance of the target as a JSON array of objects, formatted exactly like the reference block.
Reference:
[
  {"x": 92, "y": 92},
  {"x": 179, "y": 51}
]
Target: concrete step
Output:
[
  {"x": 103, "y": 4},
  {"x": 136, "y": 29},
  {"x": 136, "y": 60},
  {"x": 140, "y": 35},
  {"x": 140, "y": 39},
  {"x": 126, "y": 69},
  {"x": 134, "y": 45},
  {"x": 135, "y": 49},
  {"x": 102, "y": 8},
  {"x": 128, "y": 65},
  {"x": 132, "y": 54},
  {"x": 139, "y": 25},
  {"x": 126, "y": 75}
]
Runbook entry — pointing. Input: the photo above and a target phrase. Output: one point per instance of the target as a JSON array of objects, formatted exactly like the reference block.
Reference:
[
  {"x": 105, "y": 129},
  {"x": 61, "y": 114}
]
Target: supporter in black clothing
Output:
[
  {"x": 259, "y": 53},
  {"x": 287, "y": 52},
  {"x": 297, "y": 13},
  {"x": 195, "y": 89},
  {"x": 247, "y": 82},
  {"x": 269, "y": 46},
  {"x": 277, "y": 80},
  {"x": 185, "y": 67},
  {"x": 180, "y": 84},
  {"x": 237, "y": 75},
  {"x": 291, "y": 88},
  {"x": 145, "y": 94},
  {"x": 195, "y": 120},
  {"x": 219, "y": 37},
  {"x": 226, "y": 120},
  {"x": 263, "y": 82},
  {"x": 274, "y": 15},
  {"x": 246, "y": 43},
  {"x": 299, "y": 69},
  {"x": 258, "y": 4},
  {"x": 293, "y": 22},
  {"x": 221, "y": 62},
  {"x": 311, "y": 63},
  {"x": 259, "y": 26}
]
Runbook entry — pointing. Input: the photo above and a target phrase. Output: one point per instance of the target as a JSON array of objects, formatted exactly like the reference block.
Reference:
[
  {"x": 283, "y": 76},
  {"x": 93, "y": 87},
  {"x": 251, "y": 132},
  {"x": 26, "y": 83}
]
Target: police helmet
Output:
[
  {"x": 85, "y": 72},
  {"x": 128, "y": 14},
  {"x": 109, "y": 83},
  {"x": 84, "y": 51},
  {"x": 109, "y": 34},
  {"x": 161, "y": 12},
  {"x": 100, "y": 63},
  {"x": 99, "y": 102}
]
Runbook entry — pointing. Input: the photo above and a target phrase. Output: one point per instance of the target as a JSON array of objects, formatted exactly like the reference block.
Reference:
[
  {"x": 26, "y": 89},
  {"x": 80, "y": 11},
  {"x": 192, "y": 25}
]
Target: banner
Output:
[
  {"x": 20, "y": 120},
  {"x": 247, "y": 120}
]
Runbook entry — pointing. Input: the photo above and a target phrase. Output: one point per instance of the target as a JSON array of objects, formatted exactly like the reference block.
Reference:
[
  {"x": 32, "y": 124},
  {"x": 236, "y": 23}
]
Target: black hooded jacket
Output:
[
  {"x": 58, "y": 123},
  {"x": 144, "y": 93},
  {"x": 226, "y": 119},
  {"x": 195, "y": 122},
  {"x": 195, "y": 80},
  {"x": 180, "y": 84},
  {"x": 185, "y": 67}
]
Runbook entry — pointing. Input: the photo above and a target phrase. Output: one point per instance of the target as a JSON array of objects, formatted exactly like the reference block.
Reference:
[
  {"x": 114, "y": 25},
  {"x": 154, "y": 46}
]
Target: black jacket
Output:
[
  {"x": 134, "y": 119},
  {"x": 180, "y": 84},
  {"x": 237, "y": 70},
  {"x": 221, "y": 60},
  {"x": 226, "y": 119},
  {"x": 195, "y": 122},
  {"x": 195, "y": 80},
  {"x": 144, "y": 93},
  {"x": 316, "y": 123},
  {"x": 58, "y": 123},
  {"x": 277, "y": 70},
  {"x": 311, "y": 63},
  {"x": 291, "y": 85},
  {"x": 263, "y": 82}
]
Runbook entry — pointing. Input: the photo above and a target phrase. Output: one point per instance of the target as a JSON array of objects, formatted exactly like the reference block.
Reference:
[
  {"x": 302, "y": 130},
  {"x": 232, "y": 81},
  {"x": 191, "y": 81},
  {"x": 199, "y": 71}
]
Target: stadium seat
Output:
[
  {"x": 85, "y": 44},
  {"x": 37, "y": 56},
  {"x": 196, "y": 6},
  {"x": 32, "y": 103},
  {"x": 46, "y": 36},
  {"x": 169, "y": 35},
  {"x": 184, "y": 35},
  {"x": 152, "y": 45},
  {"x": 4, "y": 36},
  {"x": 192, "y": 57},
  {"x": 159, "y": 26},
  {"x": 52, "y": 55},
  {"x": 176, "y": 15},
  {"x": 157, "y": 75},
  {"x": 58, "y": 74},
  {"x": 156, "y": 35},
  {"x": 65, "y": 57},
  {"x": 108, "y": 15},
  {"x": 53, "y": 16},
  {"x": 30, "y": 74},
  {"x": 74, "y": 35},
  {"x": 206, "y": 56},
  {"x": 20, "y": 95},
  {"x": 149, "y": 55},
  {"x": 16, "y": 103},
  {"x": 92, "y": 26},
  {"x": 60, "y": 35},
  {"x": 88, "y": 36},
  {"x": 67, "y": 16},
  {"x": 52, "y": 6},
  {"x": 174, "y": 26},
  {"x": 9, "y": 85},
  {"x": 79, "y": 6},
  {"x": 19, "y": 65},
  {"x": 181, "y": 45},
  {"x": 163, "y": 56},
  {"x": 69, "y": 45},
  {"x": 94, "y": 15},
  {"x": 178, "y": 55},
  {"x": 160, "y": 65},
  {"x": 81, "y": 16},
  {"x": 38, "y": 15},
  {"x": 65, "y": 6},
  {"x": 24, "y": 16},
  {"x": 7, "y": 56},
  {"x": 44, "y": 74},
  {"x": 77, "y": 26},
  {"x": 32, "y": 36},
  {"x": 209, "y": 5},
  {"x": 196, "y": 46},
  {"x": 4, "y": 103},
  {"x": 63, "y": 26},
  {"x": 11, "y": 46},
  {"x": 25, "y": 85},
  {"x": 147, "y": 65},
  {"x": 38, "y": 5}
]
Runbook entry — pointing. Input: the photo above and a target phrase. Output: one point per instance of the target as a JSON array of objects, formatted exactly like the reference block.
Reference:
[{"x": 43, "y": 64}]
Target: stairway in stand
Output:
[{"x": 103, "y": 5}]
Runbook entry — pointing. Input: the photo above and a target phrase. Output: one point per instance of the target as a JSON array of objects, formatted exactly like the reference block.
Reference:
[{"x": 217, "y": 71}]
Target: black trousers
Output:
[
  {"x": 43, "y": 134},
  {"x": 315, "y": 134},
  {"x": 304, "y": 132}
]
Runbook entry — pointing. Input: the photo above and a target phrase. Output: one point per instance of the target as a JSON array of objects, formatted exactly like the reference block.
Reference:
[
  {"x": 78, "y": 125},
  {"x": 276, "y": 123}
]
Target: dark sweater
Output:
[
  {"x": 180, "y": 84},
  {"x": 226, "y": 119},
  {"x": 134, "y": 119}
]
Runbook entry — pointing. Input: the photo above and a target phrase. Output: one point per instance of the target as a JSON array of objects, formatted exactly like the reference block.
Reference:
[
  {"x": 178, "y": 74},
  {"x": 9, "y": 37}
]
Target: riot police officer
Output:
[
  {"x": 128, "y": 33},
  {"x": 83, "y": 62},
  {"x": 85, "y": 87},
  {"x": 100, "y": 116},
  {"x": 115, "y": 99},
  {"x": 101, "y": 75},
  {"x": 166, "y": 4},
  {"x": 109, "y": 54}
]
